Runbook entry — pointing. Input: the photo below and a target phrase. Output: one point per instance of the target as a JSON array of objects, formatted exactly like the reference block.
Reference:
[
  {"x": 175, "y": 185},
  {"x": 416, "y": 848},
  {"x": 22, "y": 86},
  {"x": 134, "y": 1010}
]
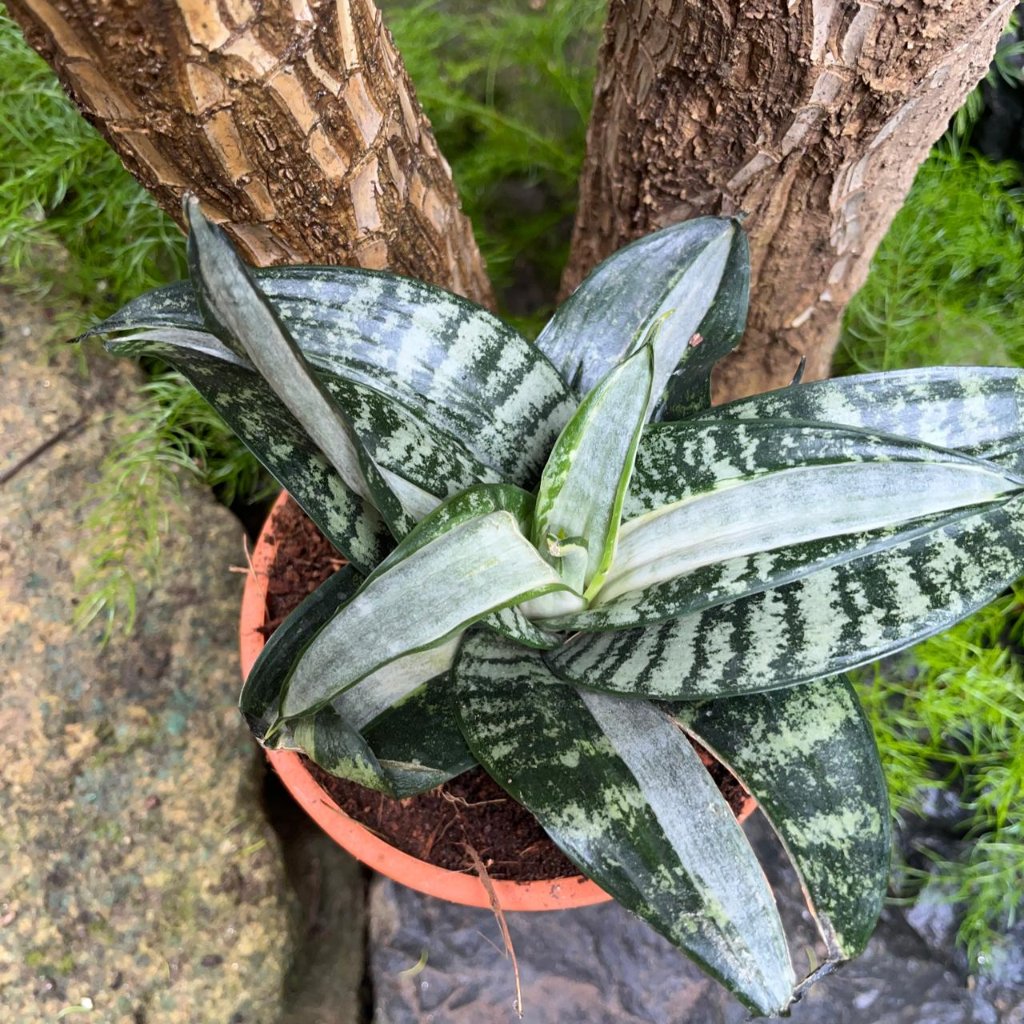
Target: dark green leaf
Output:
[
  {"x": 459, "y": 369},
  {"x": 330, "y": 742},
  {"x": 808, "y": 756},
  {"x": 618, "y": 787},
  {"x": 419, "y": 743}
]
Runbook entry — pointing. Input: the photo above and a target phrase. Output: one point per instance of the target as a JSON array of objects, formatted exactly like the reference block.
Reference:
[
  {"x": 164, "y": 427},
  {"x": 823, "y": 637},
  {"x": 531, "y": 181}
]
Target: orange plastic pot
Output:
[{"x": 553, "y": 894}]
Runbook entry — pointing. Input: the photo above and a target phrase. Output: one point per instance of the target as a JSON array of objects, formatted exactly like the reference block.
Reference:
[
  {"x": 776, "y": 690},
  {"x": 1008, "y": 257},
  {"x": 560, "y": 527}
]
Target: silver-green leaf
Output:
[
  {"x": 843, "y": 616},
  {"x": 585, "y": 480},
  {"x": 679, "y": 271},
  {"x": 808, "y": 755},
  {"x": 479, "y": 566},
  {"x": 234, "y": 306},
  {"x": 618, "y": 787}
]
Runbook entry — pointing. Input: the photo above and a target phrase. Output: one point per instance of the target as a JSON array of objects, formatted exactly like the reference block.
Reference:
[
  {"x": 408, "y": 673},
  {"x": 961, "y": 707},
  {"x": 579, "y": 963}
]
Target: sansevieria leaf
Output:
[
  {"x": 330, "y": 742},
  {"x": 437, "y": 590},
  {"x": 618, "y": 787},
  {"x": 978, "y": 410},
  {"x": 688, "y": 392},
  {"x": 681, "y": 271},
  {"x": 455, "y": 366},
  {"x": 233, "y": 305},
  {"x": 585, "y": 480},
  {"x": 419, "y": 743},
  {"x": 807, "y": 754},
  {"x": 403, "y": 712},
  {"x": 840, "y": 617},
  {"x": 757, "y": 505}
]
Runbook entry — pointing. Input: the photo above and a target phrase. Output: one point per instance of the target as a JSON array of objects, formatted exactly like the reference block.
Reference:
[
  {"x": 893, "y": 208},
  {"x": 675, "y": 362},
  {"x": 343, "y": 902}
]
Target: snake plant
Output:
[{"x": 562, "y": 562}]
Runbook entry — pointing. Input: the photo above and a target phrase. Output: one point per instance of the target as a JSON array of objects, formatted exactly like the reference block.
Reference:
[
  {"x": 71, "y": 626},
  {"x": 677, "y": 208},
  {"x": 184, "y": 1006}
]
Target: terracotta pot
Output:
[{"x": 554, "y": 894}]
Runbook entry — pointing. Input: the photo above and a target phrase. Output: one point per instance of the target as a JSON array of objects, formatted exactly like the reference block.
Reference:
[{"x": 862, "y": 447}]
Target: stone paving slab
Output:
[
  {"x": 141, "y": 882},
  {"x": 599, "y": 965}
]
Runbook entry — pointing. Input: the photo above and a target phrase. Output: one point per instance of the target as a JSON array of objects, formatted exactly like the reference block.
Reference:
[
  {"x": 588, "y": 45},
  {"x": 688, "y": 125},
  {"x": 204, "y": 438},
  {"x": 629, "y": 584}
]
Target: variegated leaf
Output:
[
  {"x": 239, "y": 313},
  {"x": 330, "y": 742},
  {"x": 470, "y": 504},
  {"x": 418, "y": 742},
  {"x": 408, "y": 722},
  {"x": 978, "y": 410},
  {"x": 733, "y": 578},
  {"x": 688, "y": 392},
  {"x": 679, "y": 270},
  {"x": 679, "y": 461},
  {"x": 460, "y": 509},
  {"x": 585, "y": 480},
  {"x": 271, "y": 433},
  {"x": 362, "y": 704},
  {"x": 437, "y": 590},
  {"x": 455, "y": 366},
  {"x": 406, "y": 447},
  {"x": 835, "y": 619},
  {"x": 728, "y": 509},
  {"x": 620, "y": 790},
  {"x": 261, "y": 692},
  {"x": 808, "y": 755},
  {"x": 775, "y": 511}
]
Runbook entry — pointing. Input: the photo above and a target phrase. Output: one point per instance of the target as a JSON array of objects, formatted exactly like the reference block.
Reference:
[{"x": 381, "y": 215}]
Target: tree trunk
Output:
[
  {"x": 292, "y": 120},
  {"x": 810, "y": 116}
]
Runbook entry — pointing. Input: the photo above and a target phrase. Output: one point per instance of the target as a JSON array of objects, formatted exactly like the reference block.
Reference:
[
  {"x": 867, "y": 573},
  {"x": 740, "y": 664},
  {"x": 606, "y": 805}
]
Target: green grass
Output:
[
  {"x": 947, "y": 283},
  {"x": 172, "y": 431},
  {"x": 950, "y": 715}
]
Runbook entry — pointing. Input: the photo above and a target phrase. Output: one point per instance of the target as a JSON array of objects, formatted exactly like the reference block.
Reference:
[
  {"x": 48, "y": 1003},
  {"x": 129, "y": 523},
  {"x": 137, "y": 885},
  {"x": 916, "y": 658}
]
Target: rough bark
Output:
[
  {"x": 293, "y": 120},
  {"x": 810, "y": 116}
]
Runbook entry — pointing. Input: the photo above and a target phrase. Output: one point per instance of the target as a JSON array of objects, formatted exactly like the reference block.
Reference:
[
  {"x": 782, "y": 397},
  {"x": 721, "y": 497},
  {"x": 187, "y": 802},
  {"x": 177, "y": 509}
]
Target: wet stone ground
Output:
[
  {"x": 151, "y": 872},
  {"x": 442, "y": 964}
]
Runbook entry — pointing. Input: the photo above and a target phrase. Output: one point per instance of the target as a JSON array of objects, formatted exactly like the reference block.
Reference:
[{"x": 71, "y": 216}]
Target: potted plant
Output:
[{"x": 562, "y": 561}]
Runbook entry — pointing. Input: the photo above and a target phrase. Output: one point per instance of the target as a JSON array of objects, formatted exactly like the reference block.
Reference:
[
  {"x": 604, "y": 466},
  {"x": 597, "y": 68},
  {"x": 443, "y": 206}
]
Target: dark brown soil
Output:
[{"x": 471, "y": 810}]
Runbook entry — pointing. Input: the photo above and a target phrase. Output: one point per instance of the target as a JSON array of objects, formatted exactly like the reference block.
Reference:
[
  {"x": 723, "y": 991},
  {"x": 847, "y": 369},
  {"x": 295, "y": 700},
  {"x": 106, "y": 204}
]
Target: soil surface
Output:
[{"x": 468, "y": 812}]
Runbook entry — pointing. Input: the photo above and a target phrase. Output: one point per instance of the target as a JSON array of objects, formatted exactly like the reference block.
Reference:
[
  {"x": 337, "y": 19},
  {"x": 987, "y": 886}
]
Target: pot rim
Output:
[{"x": 456, "y": 887}]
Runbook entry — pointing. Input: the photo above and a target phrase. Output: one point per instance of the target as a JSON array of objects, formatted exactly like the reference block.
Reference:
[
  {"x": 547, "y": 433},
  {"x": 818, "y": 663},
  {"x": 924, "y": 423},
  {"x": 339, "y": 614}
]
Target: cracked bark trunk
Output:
[
  {"x": 293, "y": 121},
  {"x": 811, "y": 116}
]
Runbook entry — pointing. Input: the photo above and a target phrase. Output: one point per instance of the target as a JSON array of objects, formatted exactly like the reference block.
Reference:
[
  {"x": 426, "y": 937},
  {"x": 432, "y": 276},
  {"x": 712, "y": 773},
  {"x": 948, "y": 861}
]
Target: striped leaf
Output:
[
  {"x": 584, "y": 482},
  {"x": 843, "y": 616},
  {"x": 978, "y": 410},
  {"x": 679, "y": 461},
  {"x": 419, "y": 743},
  {"x": 758, "y": 505},
  {"x": 431, "y": 593},
  {"x": 406, "y": 447},
  {"x": 238, "y": 312},
  {"x": 459, "y": 369},
  {"x": 273, "y": 435},
  {"x": 618, "y": 787},
  {"x": 681, "y": 270},
  {"x": 807, "y": 754}
]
